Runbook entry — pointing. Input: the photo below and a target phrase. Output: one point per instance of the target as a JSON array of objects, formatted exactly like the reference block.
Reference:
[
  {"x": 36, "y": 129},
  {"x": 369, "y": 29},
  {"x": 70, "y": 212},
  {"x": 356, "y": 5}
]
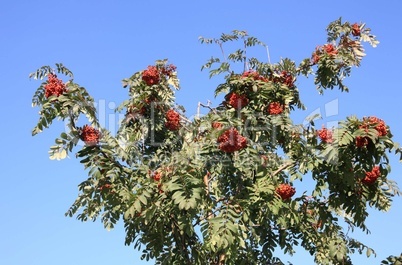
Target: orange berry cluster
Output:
[
  {"x": 286, "y": 78},
  {"x": 237, "y": 101},
  {"x": 54, "y": 86},
  {"x": 275, "y": 108},
  {"x": 90, "y": 135},
  {"x": 217, "y": 125},
  {"x": 255, "y": 75},
  {"x": 231, "y": 141},
  {"x": 356, "y": 30},
  {"x": 326, "y": 48},
  {"x": 372, "y": 175},
  {"x": 157, "y": 176},
  {"x": 151, "y": 75},
  {"x": 325, "y": 135},
  {"x": 172, "y": 120},
  {"x": 168, "y": 70},
  {"x": 370, "y": 122},
  {"x": 285, "y": 191},
  {"x": 378, "y": 124}
]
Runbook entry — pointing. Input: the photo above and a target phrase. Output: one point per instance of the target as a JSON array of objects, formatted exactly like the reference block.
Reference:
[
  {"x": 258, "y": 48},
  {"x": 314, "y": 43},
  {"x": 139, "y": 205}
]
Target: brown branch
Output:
[
  {"x": 283, "y": 167},
  {"x": 206, "y": 182},
  {"x": 222, "y": 258},
  {"x": 209, "y": 107},
  {"x": 185, "y": 118}
]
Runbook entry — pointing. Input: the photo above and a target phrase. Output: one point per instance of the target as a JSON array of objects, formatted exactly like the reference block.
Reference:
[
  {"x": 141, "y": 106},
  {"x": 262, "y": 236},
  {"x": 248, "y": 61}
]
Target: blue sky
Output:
[{"x": 103, "y": 42}]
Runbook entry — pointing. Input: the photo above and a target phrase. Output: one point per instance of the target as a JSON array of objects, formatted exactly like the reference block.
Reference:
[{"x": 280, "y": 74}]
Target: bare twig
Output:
[
  {"x": 269, "y": 58},
  {"x": 223, "y": 52},
  {"x": 245, "y": 56},
  {"x": 207, "y": 106}
]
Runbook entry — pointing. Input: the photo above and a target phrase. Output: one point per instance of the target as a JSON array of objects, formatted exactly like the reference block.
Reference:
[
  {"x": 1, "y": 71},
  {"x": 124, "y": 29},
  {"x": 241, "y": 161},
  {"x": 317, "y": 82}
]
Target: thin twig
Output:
[
  {"x": 245, "y": 56},
  {"x": 269, "y": 58},
  {"x": 185, "y": 119},
  {"x": 207, "y": 106},
  {"x": 223, "y": 52},
  {"x": 198, "y": 109}
]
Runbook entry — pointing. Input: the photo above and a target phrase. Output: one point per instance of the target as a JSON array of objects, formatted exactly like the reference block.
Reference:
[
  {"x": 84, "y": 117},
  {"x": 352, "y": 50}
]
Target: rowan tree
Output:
[{"x": 223, "y": 188}]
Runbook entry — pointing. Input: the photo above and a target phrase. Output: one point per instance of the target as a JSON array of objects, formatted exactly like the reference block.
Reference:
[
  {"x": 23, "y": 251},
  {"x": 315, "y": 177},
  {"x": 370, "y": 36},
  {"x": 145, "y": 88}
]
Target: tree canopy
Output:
[{"x": 224, "y": 188}]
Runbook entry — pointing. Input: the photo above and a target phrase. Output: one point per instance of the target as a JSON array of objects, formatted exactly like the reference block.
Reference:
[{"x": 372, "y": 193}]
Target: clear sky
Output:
[{"x": 103, "y": 42}]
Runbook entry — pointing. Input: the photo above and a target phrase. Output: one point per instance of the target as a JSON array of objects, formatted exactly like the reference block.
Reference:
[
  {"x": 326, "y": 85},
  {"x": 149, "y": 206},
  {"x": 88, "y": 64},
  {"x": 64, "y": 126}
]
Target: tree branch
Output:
[
  {"x": 283, "y": 167},
  {"x": 207, "y": 106}
]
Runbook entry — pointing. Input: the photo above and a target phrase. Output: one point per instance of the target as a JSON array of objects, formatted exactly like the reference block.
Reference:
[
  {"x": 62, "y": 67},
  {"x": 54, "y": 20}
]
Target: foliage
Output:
[
  {"x": 394, "y": 260},
  {"x": 222, "y": 189}
]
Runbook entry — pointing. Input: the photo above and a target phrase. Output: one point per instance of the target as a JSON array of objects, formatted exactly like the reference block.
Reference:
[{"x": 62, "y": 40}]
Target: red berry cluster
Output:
[
  {"x": 315, "y": 57},
  {"x": 375, "y": 122},
  {"x": 330, "y": 49},
  {"x": 90, "y": 135},
  {"x": 362, "y": 141},
  {"x": 231, "y": 141},
  {"x": 151, "y": 75},
  {"x": 168, "y": 70},
  {"x": 356, "y": 30},
  {"x": 371, "y": 122},
  {"x": 255, "y": 75},
  {"x": 327, "y": 48},
  {"x": 106, "y": 186},
  {"x": 285, "y": 191},
  {"x": 54, "y": 86},
  {"x": 325, "y": 135},
  {"x": 172, "y": 120},
  {"x": 275, "y": 108},
  {"x": 372, "y": 176},
  {"x": 287, "y": 79},
  {"x": 217, "y": 125},
  {"x": 283, "y": 77},
  {"x": 237, "y": 101},
  {"x": 157, "y": 176}
]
